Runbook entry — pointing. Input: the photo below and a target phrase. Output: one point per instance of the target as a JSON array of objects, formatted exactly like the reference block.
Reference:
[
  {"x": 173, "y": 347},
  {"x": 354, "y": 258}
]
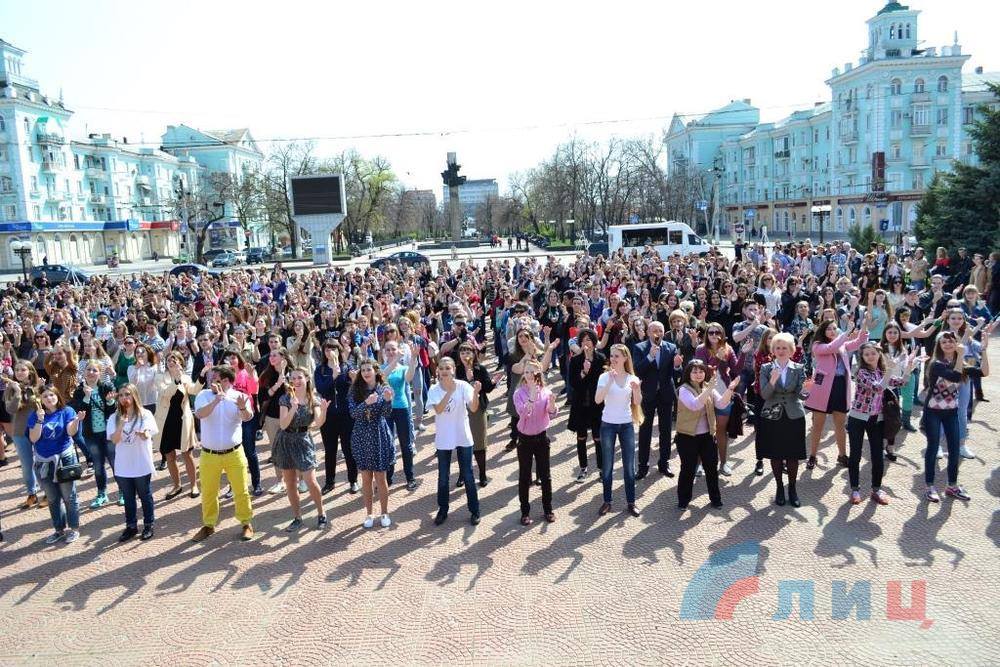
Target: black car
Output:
[
  {"x": 57, "y": 274},
  {"x": 193, "y": 269},
  {"x": 406, "y": 258},
  {"x": 257, "y": 255},
  {"x": 598, "y": 248}
]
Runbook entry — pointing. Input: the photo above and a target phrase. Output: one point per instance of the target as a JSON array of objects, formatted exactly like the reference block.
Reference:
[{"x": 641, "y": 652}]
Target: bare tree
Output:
[
  {"x": 245, "y": 195},
  {"x": 287, "y": 160},
  {"x": 198, "y": 210}
]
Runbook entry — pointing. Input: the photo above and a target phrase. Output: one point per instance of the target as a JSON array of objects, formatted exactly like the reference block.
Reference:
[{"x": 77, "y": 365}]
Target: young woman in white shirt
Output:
[
  {"x": 618, "y": 391},
  {"x": 131, "y": 429}
]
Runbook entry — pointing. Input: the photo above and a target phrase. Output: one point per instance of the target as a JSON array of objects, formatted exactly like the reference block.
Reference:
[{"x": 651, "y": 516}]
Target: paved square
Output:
[{"x": 584, "y": 590}]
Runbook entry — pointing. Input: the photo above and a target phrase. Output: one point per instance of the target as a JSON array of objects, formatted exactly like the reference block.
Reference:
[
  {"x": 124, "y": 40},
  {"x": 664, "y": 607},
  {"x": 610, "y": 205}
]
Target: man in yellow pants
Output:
[{"x": 222, "y": 410}]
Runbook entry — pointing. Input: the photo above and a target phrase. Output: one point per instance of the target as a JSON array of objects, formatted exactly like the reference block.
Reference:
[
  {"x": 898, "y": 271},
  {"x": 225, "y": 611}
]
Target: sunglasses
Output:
[{"x": 714, "y": 333}]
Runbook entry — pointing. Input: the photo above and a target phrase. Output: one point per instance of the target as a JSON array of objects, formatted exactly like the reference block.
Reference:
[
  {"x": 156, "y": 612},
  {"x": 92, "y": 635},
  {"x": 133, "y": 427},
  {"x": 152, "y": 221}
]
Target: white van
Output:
[{"x": 666, "y": 237}]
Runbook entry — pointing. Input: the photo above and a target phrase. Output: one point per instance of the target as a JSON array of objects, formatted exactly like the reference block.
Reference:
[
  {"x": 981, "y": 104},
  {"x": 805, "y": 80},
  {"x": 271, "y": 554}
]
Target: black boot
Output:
[
  {"x": 793, "y": 497},
  {"x": 779, "y": 496}
]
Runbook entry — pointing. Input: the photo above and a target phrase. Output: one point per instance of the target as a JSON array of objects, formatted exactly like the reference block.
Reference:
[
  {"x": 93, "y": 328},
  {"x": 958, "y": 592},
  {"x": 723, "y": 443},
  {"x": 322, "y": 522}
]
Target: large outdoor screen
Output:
[{"x": 316, "y": 195}]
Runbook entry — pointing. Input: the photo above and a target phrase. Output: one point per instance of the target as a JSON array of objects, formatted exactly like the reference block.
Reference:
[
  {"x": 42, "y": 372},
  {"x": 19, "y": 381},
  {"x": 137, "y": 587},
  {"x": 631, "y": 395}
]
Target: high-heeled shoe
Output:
[{"x": 779, "y": 497}]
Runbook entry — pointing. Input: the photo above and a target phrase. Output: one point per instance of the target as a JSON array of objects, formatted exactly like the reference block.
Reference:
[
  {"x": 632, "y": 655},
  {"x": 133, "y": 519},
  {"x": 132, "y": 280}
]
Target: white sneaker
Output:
[
  {"x": 385, "y": 521},
  {"x": 699, "y": 471},
  {"x": 369, "y": 522},
  {"x": 941, "y": 453},
  {"x": 302, "y": 486},
  {"x": 726, "y": 469},
  {"x": 582, "y": 476},
  {"x": 72, "y": 536},
  {"x": 277, "y": 488},
  {"x": 53, "y": 538},
  {"x": 966, "y": 453}
]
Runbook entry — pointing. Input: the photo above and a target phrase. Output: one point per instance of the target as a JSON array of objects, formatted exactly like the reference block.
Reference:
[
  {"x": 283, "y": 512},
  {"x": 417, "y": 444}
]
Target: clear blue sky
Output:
[{"x": 520, "y": 76}]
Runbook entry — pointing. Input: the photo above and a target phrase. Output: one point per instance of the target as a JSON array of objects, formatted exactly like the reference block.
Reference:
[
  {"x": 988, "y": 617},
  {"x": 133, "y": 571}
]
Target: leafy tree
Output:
[{"x": 962, "y": 209}]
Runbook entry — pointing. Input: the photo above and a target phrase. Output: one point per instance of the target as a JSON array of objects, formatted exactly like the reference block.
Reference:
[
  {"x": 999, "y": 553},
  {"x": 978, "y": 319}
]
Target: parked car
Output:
[
  {"x": 405, "y": 257},
  {"x": 258, "y": 255},
  {"x": 193, "y": 269},
  {"x": 598, "y": 248},
  {"x": 224, "y": 258},
  {"x": 57, "y": 274},
  {"x": 209, "y": 255}
]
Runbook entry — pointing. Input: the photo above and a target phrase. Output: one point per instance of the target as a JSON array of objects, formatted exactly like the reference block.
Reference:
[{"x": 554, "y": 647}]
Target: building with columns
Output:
[
  {"x": 78, "y": 201},
  {"x": 894, "y": 118}
]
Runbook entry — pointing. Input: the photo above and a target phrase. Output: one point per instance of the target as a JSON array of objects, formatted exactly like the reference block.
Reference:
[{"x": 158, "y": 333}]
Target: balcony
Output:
[
  {"x": 849, "y": 136},
  {"x": 142, "y": 182},
  {"x": 51, "y": 164},
  {"x": 52, "y": 139},
  {"x": 920, "y": 98},
  {"x": 144, "y": 201},
  {"x": 55, "y": 196},
  {"x": 35, "y": 194},
  {"x": 92, "y": 171},
  {"x": 96, "y": 198},
  {"x": 919, "y": 162},
  {"x": 920, "y": 130},
  {"x": 782, "y": 155}
]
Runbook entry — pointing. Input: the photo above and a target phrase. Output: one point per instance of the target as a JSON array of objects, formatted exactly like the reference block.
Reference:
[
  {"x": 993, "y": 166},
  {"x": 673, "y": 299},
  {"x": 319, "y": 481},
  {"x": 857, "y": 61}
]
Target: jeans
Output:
[
  {"x": 336, "y": 432},
  {"x": 25, "y": 456},
  {"x": 465, "y": 470},
  {"x": 534, "y": 447},
  {"x": 917, "y": 284},
  {"x": 663, "y": 410},
  {"x": 417, "y": 391},
  {"x": 626, "y": 439},
  {"x": 690, "y": 448},
  {"x": 101, "y": 451},
  {"x": 60, "y": 494},
  {"x": 856, "y": 430},
  {"x": 130, "y": 487},
  {"x": 402, "y": 427},
  {"x": 936, "y": 421},
  {"x": 964, "y": 399},
  {"x": 250, "y": 449}
]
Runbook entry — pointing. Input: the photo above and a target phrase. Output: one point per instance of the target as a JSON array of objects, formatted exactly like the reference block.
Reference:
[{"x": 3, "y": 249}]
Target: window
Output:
[
  {"x": 942, "y": 116},
  {"x": 76, "y": 161},
  {"x": 36, "y": 213},
  {"x": 918, "y": 86},
  {"x": 838, "y": 219},
  {"x": 866, "y": 217},
  {"x": 852, "y": 217},
  {"x": 895, "y": 119},
  {"x": 967, "y": 148},
  {"x": 968, "y": 115},
  {"x": 3, "y": 124},
  {"x": 895, "y": 87},
  {"x": 918, "y": 181},
  {"x": 27, "y": 126},
  {"x": 942, "y": 84},
  {"x": 868, "y": 91},
  {"x": 907, "y": 31},
  {"x": 921, "y": 116},
  {"x": 892, "y": 31},
  {"x": 6, "y": 184},
  {"x": 941, "y": 151},
  {"x": 895, "y": 152}
]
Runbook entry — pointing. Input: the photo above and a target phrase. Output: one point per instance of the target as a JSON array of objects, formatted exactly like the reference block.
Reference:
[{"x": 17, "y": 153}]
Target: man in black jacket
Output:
[{"x": 656, "y": 363}]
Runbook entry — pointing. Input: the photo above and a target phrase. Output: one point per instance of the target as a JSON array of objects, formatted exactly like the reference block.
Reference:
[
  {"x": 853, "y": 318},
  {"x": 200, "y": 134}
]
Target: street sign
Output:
[
  {"x": 701, "y": 205},
  {"x": 750, "y": 213}
]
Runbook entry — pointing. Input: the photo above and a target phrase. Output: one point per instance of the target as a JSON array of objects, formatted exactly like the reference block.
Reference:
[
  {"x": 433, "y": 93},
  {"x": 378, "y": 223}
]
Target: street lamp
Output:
[
  {"x": 821, "y": 211},
  {"x": 23, "y": 250}
]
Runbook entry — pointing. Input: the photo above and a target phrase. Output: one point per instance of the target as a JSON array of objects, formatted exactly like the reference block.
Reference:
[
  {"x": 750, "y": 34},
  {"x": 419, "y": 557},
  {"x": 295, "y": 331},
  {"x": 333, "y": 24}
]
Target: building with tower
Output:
[
  {"x": 894, "y": 118},
  {"x": 78, "y": 201}
]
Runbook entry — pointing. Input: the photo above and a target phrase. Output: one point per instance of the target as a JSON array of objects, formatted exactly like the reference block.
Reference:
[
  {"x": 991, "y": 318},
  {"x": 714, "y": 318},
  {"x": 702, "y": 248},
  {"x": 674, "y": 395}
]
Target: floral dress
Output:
[
  {"x": 293, "y": 447},
  {"x": 371, "y": 440}
]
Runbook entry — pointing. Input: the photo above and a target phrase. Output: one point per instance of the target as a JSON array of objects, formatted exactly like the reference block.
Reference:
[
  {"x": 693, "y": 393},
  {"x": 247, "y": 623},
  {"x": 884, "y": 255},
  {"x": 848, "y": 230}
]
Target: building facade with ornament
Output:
[
  {"x": 82, "y": 200},
  {"x": 895, "y": 117}
]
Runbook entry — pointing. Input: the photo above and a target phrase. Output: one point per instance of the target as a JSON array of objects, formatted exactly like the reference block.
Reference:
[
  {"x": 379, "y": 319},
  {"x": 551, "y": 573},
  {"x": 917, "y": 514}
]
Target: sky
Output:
[{"x": 500, "y": 83}]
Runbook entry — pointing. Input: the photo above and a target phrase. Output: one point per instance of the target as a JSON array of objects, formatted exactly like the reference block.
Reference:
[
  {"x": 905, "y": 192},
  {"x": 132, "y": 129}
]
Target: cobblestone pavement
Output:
[{"x": 583, "y": 590}]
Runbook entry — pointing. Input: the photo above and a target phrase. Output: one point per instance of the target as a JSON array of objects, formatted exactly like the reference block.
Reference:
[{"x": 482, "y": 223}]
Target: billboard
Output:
[{"x": 317, "y": 195}]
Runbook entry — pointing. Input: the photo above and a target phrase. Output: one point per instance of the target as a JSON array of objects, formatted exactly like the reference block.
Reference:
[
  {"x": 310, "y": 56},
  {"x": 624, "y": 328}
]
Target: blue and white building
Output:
[
  {"x": 79, "y": 200},
  {"x": 894, "y": 118},
  {"x": 474, "y": 193}
]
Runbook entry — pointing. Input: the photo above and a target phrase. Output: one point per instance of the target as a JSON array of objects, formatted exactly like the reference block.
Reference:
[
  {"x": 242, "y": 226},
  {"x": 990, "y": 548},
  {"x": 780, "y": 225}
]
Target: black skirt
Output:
[
  {"x": 838, "y": 395},
  {"x": 782, "y": 438}
]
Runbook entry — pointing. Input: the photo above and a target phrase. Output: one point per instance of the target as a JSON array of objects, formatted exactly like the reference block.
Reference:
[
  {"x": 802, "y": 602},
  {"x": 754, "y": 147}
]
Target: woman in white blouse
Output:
[
  {"x": 143, "y": 374},
  {"x": 131, "y": 429},
  {"x": 618, "y": 390}
]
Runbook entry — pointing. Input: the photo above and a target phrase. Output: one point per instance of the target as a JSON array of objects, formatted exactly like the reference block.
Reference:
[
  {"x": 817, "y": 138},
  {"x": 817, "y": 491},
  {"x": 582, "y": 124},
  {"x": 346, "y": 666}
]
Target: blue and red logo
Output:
[{"x": 721, "y": 582}]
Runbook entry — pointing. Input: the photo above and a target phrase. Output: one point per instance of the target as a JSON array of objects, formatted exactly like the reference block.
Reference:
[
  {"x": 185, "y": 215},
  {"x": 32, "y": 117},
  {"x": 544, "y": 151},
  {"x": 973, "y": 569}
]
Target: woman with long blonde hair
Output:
[
  {"x": 131, "y": 429},
  {"x": 618, "y": 391},
  {"x": 294, "y": 451},
  {"x": 20, "y": 397}
]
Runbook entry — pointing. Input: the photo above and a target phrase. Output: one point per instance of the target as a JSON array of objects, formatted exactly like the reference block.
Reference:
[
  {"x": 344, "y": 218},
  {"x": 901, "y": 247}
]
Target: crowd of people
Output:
[{"x": 201, "y": 375}]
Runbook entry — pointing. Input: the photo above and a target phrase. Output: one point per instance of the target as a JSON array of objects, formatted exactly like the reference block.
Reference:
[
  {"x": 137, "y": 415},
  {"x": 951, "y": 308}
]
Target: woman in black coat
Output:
[{"x": 584, "y": 413}]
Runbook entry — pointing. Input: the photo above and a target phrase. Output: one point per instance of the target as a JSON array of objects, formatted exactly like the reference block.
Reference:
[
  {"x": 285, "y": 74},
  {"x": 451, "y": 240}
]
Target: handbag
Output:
[
  {"x": 891, "y": 415},
  {"x": 69, "y": 473},
  {"x": 773, "y": 412}
]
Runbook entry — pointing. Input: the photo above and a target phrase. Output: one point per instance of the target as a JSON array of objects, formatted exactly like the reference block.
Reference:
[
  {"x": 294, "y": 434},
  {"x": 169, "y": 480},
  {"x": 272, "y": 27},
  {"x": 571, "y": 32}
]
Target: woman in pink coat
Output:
[{"x": 831, "y": 393}]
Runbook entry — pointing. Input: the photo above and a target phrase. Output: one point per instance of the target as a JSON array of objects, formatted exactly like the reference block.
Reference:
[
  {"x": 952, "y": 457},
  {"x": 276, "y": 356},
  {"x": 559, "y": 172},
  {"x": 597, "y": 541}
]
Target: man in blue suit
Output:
[{"x": 656, "y": 363}]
